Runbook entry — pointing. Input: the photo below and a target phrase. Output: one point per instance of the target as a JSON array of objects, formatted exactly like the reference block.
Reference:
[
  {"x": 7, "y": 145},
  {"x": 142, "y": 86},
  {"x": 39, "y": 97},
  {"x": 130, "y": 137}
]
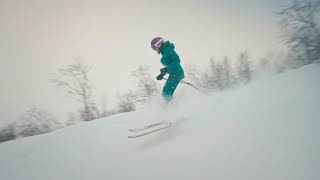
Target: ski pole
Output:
[
  {"x": 195, "y": 87},
  {"x": 187, "y": 83}
]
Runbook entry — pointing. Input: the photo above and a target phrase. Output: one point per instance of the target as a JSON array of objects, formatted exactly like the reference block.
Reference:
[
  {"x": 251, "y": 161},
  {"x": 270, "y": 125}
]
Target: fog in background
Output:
[{"x": 39, "y": 36}]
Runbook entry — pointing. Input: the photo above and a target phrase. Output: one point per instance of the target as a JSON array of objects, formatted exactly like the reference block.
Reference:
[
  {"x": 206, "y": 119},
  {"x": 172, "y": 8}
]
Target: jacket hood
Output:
[{"x": 167, "y": 44}]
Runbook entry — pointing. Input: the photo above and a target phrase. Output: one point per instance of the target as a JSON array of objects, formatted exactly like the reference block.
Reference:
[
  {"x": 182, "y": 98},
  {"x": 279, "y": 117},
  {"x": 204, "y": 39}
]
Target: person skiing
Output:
[{"x": 171, "y": 62}]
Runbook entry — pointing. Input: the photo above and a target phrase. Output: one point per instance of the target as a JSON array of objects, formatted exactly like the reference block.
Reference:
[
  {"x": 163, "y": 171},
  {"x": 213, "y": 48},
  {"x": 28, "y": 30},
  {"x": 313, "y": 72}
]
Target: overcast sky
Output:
[{"x": 39, "y": 36}]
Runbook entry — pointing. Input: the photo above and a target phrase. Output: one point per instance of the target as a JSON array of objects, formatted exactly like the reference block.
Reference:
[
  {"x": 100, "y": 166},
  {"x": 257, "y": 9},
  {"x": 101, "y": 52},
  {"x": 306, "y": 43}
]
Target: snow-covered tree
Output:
[
  {"x": 194, "y": 75},
  {"x": 215, "y": 75},
  {"x": 35, "y": 121},
  {"x": 228, "y": 79},
  {"x": 7, "y": 133},
  {"x": 126, "y": 102},
  {"x": 265, "y": 63},
  {"x": 244, "y": 68},
  {"x": 300, "y": 25}
]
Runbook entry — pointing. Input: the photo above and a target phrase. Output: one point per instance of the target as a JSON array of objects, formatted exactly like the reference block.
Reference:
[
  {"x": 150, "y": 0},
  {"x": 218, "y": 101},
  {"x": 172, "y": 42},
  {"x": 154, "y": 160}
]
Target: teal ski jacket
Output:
[{"x": 171, "y": 60}]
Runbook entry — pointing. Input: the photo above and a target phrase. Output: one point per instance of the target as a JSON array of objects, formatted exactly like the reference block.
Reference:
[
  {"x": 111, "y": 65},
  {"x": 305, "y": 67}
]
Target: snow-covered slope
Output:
[{"x": 268, "y": 130}]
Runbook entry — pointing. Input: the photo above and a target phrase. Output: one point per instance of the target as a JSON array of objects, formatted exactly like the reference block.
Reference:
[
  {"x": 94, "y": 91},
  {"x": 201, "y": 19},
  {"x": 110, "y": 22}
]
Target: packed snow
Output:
[{"x": 266, "y": 130}]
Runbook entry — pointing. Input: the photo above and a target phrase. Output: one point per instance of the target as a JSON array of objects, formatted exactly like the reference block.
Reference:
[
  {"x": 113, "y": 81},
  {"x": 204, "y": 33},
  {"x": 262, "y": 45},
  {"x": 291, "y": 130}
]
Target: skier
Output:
[{"x": 171, "y": 62}]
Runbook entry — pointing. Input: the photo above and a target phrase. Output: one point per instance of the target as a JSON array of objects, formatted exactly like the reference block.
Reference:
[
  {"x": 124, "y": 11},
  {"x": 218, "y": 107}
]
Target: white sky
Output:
[{"x": 39, "y": 36}]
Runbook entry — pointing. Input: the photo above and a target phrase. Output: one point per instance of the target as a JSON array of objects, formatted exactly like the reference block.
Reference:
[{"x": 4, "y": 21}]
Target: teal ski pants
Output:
[{"x": 170, "y": 87}]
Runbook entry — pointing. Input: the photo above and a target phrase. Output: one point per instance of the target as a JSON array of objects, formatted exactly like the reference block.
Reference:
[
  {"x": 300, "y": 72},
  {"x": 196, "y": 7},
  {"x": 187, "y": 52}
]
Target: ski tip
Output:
[{"x": 149, "y": 132}]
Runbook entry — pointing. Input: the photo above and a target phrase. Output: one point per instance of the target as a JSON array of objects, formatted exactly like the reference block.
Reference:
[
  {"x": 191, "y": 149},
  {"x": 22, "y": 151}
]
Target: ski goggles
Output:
[{"x": 156, "y": 48}]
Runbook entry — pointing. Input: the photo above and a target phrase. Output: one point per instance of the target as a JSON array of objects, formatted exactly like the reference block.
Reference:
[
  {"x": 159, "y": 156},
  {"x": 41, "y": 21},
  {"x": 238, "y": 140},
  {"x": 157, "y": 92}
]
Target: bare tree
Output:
[
  {"x": 35, "y": 121},
  {"x": 299, "y": 23},
  {"x": 147, "y": 86},
  {"x": 74, "y": 79},
  {"x": 126, "y": 102},
  {"x": 104, "y": 111}
]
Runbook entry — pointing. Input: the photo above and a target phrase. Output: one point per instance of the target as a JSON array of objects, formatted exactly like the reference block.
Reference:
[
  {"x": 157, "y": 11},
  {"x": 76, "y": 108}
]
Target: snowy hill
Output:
[{"x": 268, "y": 130}]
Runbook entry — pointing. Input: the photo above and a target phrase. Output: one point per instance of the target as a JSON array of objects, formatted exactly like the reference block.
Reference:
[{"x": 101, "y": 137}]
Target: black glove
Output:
[
  {"x": 160, "y": 77},
  {"x": 163, "y": 71}
]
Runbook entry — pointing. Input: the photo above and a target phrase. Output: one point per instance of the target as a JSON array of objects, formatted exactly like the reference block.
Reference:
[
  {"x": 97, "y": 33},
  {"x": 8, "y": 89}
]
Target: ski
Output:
[
  {"x": 146, "y": 127},
  {"x": 167, "y": 125}
]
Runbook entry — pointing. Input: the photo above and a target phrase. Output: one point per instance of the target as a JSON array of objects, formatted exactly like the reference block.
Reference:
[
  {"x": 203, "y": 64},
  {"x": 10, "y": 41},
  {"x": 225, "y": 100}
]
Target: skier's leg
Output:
[{"x": 170, "y": 87}]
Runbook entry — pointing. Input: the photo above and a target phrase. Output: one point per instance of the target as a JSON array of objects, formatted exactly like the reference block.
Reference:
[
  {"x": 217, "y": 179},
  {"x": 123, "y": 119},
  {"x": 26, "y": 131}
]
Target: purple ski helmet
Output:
[{"x": 156, "y": 43}]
